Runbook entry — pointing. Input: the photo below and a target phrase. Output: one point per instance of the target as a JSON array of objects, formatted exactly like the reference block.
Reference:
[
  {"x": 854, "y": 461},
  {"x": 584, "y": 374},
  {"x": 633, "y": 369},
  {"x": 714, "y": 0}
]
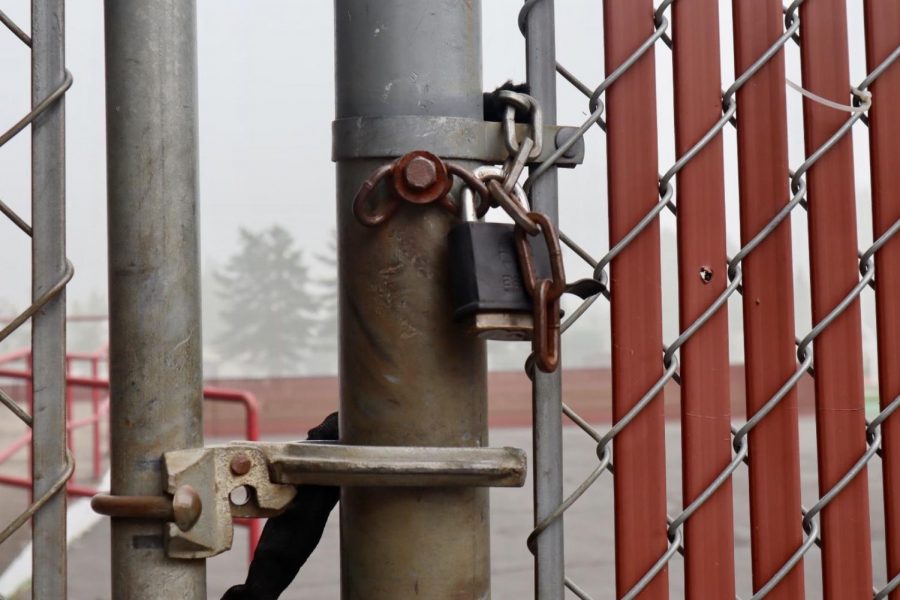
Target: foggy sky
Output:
[{"x": 265, "y": 109}]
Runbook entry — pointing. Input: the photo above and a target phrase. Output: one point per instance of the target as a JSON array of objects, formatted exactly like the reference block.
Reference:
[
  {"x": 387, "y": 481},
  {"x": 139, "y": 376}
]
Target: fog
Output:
[{"x": 265, "y": 109}]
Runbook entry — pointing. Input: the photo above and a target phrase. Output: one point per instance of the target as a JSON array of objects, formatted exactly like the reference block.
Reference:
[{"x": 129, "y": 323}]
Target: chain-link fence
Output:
[
  {"x": 52, "y": 463},
  {"x": 628, "y": 276},
  {"x": 714, "y": 447}
]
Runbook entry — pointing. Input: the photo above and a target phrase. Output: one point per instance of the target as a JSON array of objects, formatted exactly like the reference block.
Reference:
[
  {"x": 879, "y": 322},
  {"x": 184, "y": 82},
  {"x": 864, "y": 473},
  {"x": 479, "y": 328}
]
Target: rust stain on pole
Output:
[
  {"x": 409, "y": 375},
  {"x": 775, "y": 531},
  {"x": 640, "y": 479}
]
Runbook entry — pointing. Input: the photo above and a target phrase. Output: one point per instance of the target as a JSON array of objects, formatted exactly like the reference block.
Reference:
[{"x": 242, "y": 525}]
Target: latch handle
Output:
[{"x": 183, "y": 508}]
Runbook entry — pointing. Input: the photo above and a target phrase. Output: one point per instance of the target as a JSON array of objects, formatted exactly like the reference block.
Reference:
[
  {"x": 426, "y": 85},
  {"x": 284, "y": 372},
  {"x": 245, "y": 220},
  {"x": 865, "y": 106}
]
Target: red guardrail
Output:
[{"x": 99, "y": 410}]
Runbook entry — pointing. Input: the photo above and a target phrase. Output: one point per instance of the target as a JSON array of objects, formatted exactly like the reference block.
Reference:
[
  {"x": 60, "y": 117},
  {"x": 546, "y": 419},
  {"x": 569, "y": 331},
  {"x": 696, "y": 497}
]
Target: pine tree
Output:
[
  {"x": 326, "y": 340},
  {"x": 268, "y": 314}
]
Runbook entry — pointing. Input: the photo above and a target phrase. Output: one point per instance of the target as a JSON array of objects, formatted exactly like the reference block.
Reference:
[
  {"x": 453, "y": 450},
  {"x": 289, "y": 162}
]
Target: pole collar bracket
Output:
[{"x": 448, "y": 137}]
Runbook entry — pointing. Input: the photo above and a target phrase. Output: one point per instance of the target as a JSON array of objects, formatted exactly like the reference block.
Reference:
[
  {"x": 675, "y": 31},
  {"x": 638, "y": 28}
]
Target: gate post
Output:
[
  {"x": 154, "y": 283},
  {"x": 549, "y": 558},
  {"x": 409, "y": 376},
  {"x": 48, "y": 197}
]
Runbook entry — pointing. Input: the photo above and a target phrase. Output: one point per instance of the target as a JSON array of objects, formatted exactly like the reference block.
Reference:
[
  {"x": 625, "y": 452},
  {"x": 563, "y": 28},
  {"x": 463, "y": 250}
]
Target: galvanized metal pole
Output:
[
  {"x": 409, "y": 375},
  {"x": 48, "y": 195},
  {"x": 549, "y": 572},
  {"x": 154, "y": 283}
]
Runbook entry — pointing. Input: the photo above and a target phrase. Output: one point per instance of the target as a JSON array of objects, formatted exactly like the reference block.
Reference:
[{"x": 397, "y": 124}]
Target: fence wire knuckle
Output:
[
  {"x": 51, "y": 293},
  {"x": 861, "y": 101}
]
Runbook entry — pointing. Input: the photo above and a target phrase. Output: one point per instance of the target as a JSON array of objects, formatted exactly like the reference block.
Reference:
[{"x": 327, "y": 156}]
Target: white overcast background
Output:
[{"x": 265, "y": 109}]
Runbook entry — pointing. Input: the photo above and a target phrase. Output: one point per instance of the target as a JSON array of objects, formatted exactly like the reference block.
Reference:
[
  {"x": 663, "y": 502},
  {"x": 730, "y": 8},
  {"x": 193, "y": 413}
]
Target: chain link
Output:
[{"x": 593, "y": 289}]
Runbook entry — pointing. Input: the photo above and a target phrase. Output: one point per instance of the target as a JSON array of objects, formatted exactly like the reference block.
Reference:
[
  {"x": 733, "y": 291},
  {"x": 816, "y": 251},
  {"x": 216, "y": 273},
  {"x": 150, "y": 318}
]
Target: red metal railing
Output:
[{"x": 99, "y": 411}]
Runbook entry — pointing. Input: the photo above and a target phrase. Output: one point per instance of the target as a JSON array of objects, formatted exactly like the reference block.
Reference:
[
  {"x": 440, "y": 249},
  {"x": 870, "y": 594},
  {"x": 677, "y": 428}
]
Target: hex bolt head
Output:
[
  {"x": 420, "y": 173},
  {"x": 240, "y": 464}
]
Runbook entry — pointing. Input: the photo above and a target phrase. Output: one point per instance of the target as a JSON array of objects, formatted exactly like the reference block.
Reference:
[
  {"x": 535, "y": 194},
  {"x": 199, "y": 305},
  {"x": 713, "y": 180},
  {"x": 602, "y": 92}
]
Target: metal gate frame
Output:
[
  {"x": 52, "y": 464},
  {"x": 154, "y": 255}
]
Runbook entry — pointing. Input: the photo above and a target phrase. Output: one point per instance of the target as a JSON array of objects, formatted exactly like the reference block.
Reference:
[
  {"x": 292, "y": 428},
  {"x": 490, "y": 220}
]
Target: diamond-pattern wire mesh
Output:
[
  {"x": 36, "y": 305},
  {"x": 861, "y": 102}
]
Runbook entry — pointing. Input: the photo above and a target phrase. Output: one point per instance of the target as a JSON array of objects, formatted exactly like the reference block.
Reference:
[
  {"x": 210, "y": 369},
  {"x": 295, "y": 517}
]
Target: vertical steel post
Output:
[
  {"x": 409, "y": 375},
  {"x": 639, "y": 450},
  {"x": 154, "y": 276},
  {"x": 702, "y": 277},
  {"x": 48, "y": 194},
  {"x": 768, "y": 299},
  {"x": 549, "y": 572},
  {"x": 882, "y": 21},
  {"x": 840, "y": 405}
]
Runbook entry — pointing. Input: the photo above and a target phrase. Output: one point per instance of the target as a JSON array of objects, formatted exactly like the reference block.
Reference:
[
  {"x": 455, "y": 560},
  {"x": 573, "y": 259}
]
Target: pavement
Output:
[{"x": 588, "y": 526}]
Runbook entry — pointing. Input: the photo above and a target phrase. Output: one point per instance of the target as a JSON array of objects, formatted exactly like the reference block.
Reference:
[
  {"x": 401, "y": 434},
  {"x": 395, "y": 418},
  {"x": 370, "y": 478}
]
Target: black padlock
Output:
[{"x": 489, "y": 295}]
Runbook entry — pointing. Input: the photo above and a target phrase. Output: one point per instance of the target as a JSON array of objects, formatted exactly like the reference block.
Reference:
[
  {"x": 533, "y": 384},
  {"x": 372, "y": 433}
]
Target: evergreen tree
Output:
[
  {"x": 268, "y": 313},
  {"x": 326, "y": 340}
]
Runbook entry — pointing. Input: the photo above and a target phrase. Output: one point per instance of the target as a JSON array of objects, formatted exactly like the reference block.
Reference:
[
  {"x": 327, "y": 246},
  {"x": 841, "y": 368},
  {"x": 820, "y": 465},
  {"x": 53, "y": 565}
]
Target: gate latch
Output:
[{"x": 205, "y": 488}]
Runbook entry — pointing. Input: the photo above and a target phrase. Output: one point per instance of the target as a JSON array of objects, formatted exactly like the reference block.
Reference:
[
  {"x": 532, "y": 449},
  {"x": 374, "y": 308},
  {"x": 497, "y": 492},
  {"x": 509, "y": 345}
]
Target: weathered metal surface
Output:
[
  {"x": 540, "y": 63},
  {"x": 387, "y": 466},
  {"x": 201, "y": 482},
  {"x": 155, "y": 341},
  {"x": 210, "y": 472},
  {"x": 183, "y": 508},
  {"x": 409, "y": 375},
  {"x": 48, "y": 230},
  {"x": 449, "y": 137}
]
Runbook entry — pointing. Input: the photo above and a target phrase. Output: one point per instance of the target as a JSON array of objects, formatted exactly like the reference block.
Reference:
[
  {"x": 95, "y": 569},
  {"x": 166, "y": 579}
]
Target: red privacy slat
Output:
[
  {"x": 768, "y": 299},
  {"x": 639, "y": 450},
  {"x": 837, "y": 352},
  {"x": 882, "y": 20},
  {"x": 705, "y": 403}
]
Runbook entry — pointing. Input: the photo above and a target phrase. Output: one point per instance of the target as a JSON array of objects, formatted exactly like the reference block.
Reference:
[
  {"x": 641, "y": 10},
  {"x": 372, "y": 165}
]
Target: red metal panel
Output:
[
  {"x": 768, "y": 299},
  {"x": 639, "y": 450},
  {"x": 882, "y": 20},
  {"x": 705, "y": 381},
  {"x": 837, "y": 352}
]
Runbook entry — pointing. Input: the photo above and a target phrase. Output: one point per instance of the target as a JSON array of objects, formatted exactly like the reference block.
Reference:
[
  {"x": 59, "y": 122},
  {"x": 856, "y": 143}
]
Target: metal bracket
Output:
[
  {"x": 202, "y": 481},
  {"x": 448, "y": 137},
  {"x": 215, "y": 472}
]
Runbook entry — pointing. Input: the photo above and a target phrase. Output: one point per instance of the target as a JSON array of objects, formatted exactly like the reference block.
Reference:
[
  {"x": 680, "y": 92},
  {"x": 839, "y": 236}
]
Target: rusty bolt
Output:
[
  {"x": 240, "y": 464},
  {"x": 420, "y": 173}
]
